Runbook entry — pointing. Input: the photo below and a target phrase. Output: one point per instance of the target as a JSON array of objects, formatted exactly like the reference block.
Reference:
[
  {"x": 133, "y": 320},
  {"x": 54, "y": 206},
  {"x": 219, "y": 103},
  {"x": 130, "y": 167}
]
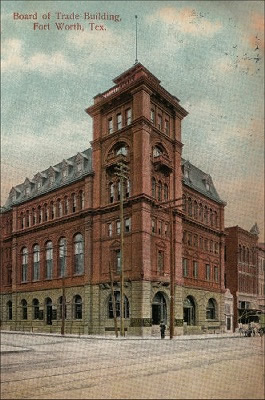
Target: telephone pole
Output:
[
  {"x": 121, "y": 170},
  {"x": 169, "y": 204}
]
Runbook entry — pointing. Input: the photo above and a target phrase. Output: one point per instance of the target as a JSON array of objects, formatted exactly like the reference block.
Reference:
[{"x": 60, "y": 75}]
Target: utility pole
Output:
[
  {"x": 170, "y": 206},
  {"x": 113, "y": 301},
  {"x": 63, "y": 307},
  {"x": 122, "y": 172}
]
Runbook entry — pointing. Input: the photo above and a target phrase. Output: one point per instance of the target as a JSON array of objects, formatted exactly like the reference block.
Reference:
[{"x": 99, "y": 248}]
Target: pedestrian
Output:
[{"x": 162, "y": 329}]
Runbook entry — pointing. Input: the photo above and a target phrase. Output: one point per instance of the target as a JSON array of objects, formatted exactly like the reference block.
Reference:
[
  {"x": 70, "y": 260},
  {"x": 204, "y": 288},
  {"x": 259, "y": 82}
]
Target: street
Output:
[{"x": 52, "y": 367}]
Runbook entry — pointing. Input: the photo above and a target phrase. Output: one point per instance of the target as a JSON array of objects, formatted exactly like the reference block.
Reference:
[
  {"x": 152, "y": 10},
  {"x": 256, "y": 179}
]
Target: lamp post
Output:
[{"x": 121, "y": 170}]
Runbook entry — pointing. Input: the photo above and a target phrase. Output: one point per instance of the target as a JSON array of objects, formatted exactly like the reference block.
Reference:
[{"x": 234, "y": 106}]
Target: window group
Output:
[{"x": 50, "y": 251}]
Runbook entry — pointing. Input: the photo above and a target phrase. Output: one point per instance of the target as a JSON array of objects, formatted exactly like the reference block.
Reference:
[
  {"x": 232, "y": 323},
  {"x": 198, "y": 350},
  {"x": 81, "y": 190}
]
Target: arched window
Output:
[
  {"x": 211, "y": 217},
  {"x": 122, "y": 149},
  {"x": 39, "y": 215},
  {"x": 62, "y": 256},
  {"x": 27, "y": 219},
  {"x": 195, "y": 208},
  {"x": 60, "y": 208},
  {"x": 165, "y": 192},
  {"x": 77, "y": 307},
  {"x": 82, "y": 199},
  {"x": 189, "y": 311},
  {"x": 240, "y": 253},
  {"x": 78, "y": 254},
  {"x": 211, "y": 309},
  {"x": 157, "y": 151},
  {"x": 24, "y": 274},
  {"x": 205, "y": 215},
  {"x": 154, "y": 187},
  {"x": 24, "y": 309},
  {"x": 189, "y": 207},
  {"x": 117, "y": 297},
  {"x": 9, "y": 309},
  {"x": 36, "y": 262},
  {"x": 22, "y": 221},
  {"x": 159, "y": 191},
  {"x": 49, "y": 260},
  {"x": 36, "y": 308},
  {"x": 73, "y": 202},
  {"x": 66, "y": 205},
  {"x": 247, "y": 256},
  {"x": 52, "y": 210},
  {"x": 34, "y": 216},
  {"x": 128, "y": 189},
  {"x": 60, "y": 303},
  {"x": 216, "y": 219},
  {"x": 201, "y": 212},
  {"x": 111, "y": 192},
  {"x": 184, "y": 203}
]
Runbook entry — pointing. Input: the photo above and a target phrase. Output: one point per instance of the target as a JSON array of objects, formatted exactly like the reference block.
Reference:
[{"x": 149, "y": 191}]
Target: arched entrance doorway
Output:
[
  {"x": 189, "y": 311},
  {"x": 48, "y": 311},
  {"x": 159, "y": 309}
]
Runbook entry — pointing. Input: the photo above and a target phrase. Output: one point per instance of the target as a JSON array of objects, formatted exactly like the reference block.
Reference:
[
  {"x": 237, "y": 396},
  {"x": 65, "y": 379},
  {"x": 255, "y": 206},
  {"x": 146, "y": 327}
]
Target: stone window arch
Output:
[
  {"x": 77, "y": 307},
  {"x": 211, "y": 309},
  {"x": 126, "y": 307},
  {"x": 36, "y": 308},
  {"x": 189, "y": 311},
  {"x": 24, "y": 309}
]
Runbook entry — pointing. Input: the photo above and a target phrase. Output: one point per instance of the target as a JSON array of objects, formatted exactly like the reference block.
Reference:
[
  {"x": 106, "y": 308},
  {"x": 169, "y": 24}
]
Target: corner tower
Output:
[{"x": 139, "y": 122}]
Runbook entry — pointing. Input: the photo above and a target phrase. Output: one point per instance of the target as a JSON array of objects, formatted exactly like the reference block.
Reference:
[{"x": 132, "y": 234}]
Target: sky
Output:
[{"x": 209, "y": 54}]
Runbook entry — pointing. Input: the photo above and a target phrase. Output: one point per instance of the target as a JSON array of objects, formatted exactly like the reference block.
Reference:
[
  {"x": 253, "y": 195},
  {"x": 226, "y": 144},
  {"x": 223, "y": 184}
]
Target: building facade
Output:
[
  {"x": 241, "y": 271},
  {"x": 62, "y": 231},
  {"x": 261, "y": 276}
]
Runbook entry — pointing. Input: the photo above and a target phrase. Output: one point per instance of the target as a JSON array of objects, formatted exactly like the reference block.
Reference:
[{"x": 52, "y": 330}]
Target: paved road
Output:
[{"x": 49, "y": 367}]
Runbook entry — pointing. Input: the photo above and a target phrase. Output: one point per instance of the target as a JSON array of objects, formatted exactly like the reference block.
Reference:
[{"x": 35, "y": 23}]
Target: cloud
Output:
[
  {"x": 13, "y": 60},
  {"x": 186, "y": 20},
  {"x": 24, "y": 152}
]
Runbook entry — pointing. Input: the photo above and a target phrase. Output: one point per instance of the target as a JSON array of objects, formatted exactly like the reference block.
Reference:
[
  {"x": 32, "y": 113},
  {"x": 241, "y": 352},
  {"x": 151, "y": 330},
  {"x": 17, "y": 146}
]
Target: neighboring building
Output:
[
  {"x": 241, "y": 270},
  {"x": 261, "y": 277},
  {"x": 61, "y": 230}
]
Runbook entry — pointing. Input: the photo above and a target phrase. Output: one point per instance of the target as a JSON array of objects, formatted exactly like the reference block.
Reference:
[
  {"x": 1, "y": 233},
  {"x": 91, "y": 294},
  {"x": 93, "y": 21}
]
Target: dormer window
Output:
[
  {"x": 207, "y": 186},
  {"x": 79, "y": 166},
  {"x": 51, "y": 179},
  {"x": 39, "y": 184},
  {"x": 27, "y": 191},
  {"x": 186, "y": 173},
  {"x": 64, "y": 173}
]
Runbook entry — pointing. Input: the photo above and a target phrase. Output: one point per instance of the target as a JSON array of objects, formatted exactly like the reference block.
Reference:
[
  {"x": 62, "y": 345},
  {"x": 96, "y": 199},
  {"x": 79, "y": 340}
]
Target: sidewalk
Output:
[{"x": 109, "y": 337}]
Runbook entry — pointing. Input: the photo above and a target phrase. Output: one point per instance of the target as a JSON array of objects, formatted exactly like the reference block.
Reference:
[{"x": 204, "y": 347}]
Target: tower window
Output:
[
  {"x": 159, "y": 122},
  {"x": 110, "y": 125},
  {"x": 152, "y": 116},
  {"x": 119, "y": 121},
  {"x": 128, "y": 114}
]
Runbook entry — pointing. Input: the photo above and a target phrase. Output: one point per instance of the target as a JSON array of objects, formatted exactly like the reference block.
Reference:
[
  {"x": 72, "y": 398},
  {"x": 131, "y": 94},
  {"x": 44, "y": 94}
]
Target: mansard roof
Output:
[
  {"x": 198, "y": 180},
  {"x": 18, "y": 194}
]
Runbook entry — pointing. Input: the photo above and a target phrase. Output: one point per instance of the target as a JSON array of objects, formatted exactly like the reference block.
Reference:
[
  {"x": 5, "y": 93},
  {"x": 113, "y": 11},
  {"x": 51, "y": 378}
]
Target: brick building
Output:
[
  {"x": 261, "y": 276},
  {"x": 61, "y": 230},
  {"x": 241, "y": 270}
]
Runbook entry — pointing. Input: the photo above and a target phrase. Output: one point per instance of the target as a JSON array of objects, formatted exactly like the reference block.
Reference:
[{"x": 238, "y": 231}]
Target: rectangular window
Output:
[
  {"x": 207, "y": 272},
  {"x": 109, "y": 229},
  {"x": 110, "y": 125},
  {"x": 159, "y": 122},
  {"x": 166, "y": 229},
  {"x": 189, "y": 239},
  {"x": 9, "y": 276},
  {"x": 160, "y": 227},
  {"x": 128, "y": 116},
  {"x": 119, "y": 121},
  {"x": 167, "y": 126},
  {"x": 48, "y": 269},
  {"x": 185, "y": 267},
  {"x": 24, "y": 272},
  {"x": 153, "y": 226},
  {"x": 118, "y": 261},
  {"x": 195, "y": 240},
  {"x": 195, "y": 269},
  {"x": 216, "y": 274},
  {"x": 118, "y": 227},
  {"x": 127, "y": 225},
  {"x": 201, "y": 243},
  {"x": 160, "y": 262}
]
